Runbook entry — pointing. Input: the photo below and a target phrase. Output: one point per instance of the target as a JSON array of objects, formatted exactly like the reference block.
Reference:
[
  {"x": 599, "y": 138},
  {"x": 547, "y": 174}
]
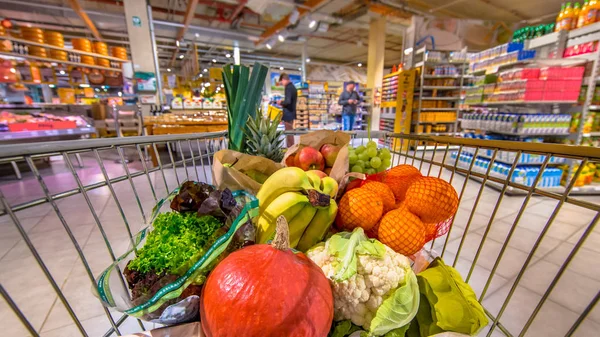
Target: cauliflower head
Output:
[{"x": 362, "y": 281}]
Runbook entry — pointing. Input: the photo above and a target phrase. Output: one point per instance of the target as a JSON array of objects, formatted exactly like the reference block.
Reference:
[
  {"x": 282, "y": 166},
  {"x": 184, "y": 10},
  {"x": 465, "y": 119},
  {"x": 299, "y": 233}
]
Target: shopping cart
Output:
[{"x": 516, "y": 238}]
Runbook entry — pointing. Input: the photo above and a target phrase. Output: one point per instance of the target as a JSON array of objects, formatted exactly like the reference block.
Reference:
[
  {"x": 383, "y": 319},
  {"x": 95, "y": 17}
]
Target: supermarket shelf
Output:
[
  {"x": 594, "y": 107},
  {"x": 435, "y": 63},
  {"x": 589, "y": 29},
  {"x": 45, "y": 59},
  {"x": 527, "y": 134},
  {"x": 73, "y": 51},
  {"x": 440, "y": 98},
  {"x": 438, "y": 87},
  {"x": 432, "y": 147},
  {"x": 389, "y": 104},
  {"x": 438, "y": 109},
  {"x": 388, "y": 116},
  {"x": 525, "y": 102},
  {"x": 11, "y": 136},
  {"x": 541, "y": 41},
  {"x": 442, "y": 76},
  {"x": 591, "y": 134},
  {"x": 592, "y": 189},
  {"x": 520, "y": 163},
  {"x": 437, "y": 122}
]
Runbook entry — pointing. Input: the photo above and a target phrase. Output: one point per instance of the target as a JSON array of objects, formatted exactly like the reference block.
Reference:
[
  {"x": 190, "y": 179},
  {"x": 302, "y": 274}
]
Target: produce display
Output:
[{"x": 31, "y": 121}]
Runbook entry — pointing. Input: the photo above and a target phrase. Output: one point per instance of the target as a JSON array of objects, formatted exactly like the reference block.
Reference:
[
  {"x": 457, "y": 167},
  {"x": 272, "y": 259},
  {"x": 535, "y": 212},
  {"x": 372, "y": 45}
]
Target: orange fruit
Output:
[
  {"x": 402, "y": 231},
  {"x": 384, "y": 192},
  {"x": 372, "y": 233},
  {"x": 359, "y": 207},
  {"x": 432, "y": 199},
  {"x": 399, "y": 178}
]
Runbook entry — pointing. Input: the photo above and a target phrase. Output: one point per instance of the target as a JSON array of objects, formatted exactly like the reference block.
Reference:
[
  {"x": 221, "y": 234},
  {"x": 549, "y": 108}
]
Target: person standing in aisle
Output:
[
  {"x": 349, "y": 100},
  {"x": 289, "y": 105}
]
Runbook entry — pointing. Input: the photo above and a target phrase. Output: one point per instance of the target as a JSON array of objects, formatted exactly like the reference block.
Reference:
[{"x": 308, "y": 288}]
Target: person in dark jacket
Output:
[
  {"x": 349, "y": 100},
  {"x": 289, "y": 105}
]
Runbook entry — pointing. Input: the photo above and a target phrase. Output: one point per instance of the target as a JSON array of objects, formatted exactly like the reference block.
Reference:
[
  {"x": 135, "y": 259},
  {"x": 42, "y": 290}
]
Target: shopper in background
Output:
[
  {"x": 349, "y": 100},
  {"x": 289, "y": 105}
]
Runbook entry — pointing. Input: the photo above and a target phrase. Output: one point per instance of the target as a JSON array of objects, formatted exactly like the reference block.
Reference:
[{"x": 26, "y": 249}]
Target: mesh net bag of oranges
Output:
[{"x": 400, "y": 207}]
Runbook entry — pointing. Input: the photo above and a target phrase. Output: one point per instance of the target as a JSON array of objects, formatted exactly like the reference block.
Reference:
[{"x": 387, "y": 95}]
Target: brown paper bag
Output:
[
  {"x": 232, "y": 176},
  {"x": 316, "y": 139}
]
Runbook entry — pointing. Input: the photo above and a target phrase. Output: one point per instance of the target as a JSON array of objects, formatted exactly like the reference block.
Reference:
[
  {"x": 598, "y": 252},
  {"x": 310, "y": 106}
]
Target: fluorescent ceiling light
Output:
[
  {"x": 181, "y": 56},
  {"x": 197, "y": 35},
  {"x": 177, "y": 43},
  {"x": 205, "y": 70},
  {"x": 360, "y": 64},
  {"x": 269, "y": 47},
  {"x": 312, "y": 24},
  {"x": 280, "y": 68},
  {"x": 308, "y": 60},
  {"x": 84, "y": 85},
  {"x": 214, "y": 60},
  {"x": 281, "y": 38},
  {"x": 227, "y": 55},
  {"x": 169, "y": 69}
]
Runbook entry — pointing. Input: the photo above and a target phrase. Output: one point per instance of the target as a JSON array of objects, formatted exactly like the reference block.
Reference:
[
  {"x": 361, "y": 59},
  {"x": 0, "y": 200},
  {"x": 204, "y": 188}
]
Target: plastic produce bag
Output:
[
  {"x": 448, "y": 304},
  {"x": 174, "y": 299}
]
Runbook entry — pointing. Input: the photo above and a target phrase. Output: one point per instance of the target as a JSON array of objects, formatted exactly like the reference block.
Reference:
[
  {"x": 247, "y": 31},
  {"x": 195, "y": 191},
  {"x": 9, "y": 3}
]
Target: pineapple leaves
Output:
[
  {"x": 243, "y": 92},
  {"x": 262, "y": 137}
]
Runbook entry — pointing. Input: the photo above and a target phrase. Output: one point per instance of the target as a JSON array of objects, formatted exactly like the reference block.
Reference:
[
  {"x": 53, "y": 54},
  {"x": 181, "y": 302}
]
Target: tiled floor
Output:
[{"x": 23, "y": 279}]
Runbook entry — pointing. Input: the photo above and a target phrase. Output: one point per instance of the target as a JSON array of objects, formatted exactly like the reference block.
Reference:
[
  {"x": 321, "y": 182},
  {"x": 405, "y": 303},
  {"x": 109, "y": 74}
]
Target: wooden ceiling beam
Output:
[
  {"x": 190, "y": 11},
  {"x": 86, "y": 19}
]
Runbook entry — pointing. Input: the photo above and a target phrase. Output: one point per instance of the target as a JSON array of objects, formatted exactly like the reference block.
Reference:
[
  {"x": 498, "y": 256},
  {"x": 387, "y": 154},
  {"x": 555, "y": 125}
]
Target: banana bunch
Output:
[{"x": 306, "y": 200}]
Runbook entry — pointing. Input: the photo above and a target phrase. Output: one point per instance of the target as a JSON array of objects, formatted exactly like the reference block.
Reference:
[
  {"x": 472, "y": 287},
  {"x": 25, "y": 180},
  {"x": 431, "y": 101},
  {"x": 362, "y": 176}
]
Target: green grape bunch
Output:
[{"x": 369, "y": 159}]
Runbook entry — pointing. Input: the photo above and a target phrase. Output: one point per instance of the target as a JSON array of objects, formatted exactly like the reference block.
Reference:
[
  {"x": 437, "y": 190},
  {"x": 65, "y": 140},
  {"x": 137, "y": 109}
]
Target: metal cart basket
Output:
[{"x": 525, "y": 243}]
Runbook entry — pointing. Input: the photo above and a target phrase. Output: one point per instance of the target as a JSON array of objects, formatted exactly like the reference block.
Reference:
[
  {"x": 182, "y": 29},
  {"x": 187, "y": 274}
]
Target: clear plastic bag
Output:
[{"x": 172, "y": 299}]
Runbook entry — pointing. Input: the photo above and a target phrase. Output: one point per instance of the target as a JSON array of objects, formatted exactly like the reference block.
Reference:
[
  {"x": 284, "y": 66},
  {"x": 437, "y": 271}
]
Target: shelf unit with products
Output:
[
  {"x": 438, "y": 89},
  {"x": 302, "y": 121},
  {"x": 541, "y": 100}
]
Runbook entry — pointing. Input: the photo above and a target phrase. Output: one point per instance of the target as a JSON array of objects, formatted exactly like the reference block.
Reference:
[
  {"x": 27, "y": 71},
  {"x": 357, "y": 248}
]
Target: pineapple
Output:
[{"x": 262, "y": 137}]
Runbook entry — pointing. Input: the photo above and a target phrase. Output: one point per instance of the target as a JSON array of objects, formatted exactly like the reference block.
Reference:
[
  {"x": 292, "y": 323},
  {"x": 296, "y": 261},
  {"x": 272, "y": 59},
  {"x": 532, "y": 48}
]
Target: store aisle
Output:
[{"x": 23, "y": 279}]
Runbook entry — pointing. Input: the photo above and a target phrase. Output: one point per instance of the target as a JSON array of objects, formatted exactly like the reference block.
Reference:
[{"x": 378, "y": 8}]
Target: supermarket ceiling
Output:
[{"x": 339, "y": 35}]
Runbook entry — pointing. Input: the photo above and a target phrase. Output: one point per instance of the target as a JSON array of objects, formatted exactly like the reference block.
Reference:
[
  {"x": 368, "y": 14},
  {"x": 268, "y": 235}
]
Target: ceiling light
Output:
[
  {"x": 308, "y": 60},
  {"x": 227, "y": 55},
  {"x": 177, "y": 43},
  {"x": 62, "y": 72},
  {"x": 312, "y": 24},
  {"x": 84, "y": 85},
  {"x": 360, "y": 64},
  {"x": 281, "y": 38},
  {"x": 214, "y": 60},
  {"x": 294, "y": 16},
  {"x": 205, "y": 70},
  {"x": 120, "y": 94},
  {"x": 280, "y": 68},
  {"x": 169, "y": 69},
  {"x": 51, "y": 85},
  {"x": 300, "y": 69},
  {"x": 269, "y": 47},
  {"x": 181, "y": 56},
  {"x": 197, "y": 35}
]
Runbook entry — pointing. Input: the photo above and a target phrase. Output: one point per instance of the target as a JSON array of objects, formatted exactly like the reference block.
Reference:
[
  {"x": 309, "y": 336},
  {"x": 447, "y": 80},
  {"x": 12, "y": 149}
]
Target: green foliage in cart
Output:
[{"x": 243, "y": 92}]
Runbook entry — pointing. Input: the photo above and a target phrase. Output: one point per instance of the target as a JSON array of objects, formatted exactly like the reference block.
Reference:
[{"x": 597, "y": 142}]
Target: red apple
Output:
[
  {"x": 309, "y": 159},
  {"x": 321, "y": 174},
  {"x": 289, "y": 161},
  {"x": 330, "y": 153}
]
